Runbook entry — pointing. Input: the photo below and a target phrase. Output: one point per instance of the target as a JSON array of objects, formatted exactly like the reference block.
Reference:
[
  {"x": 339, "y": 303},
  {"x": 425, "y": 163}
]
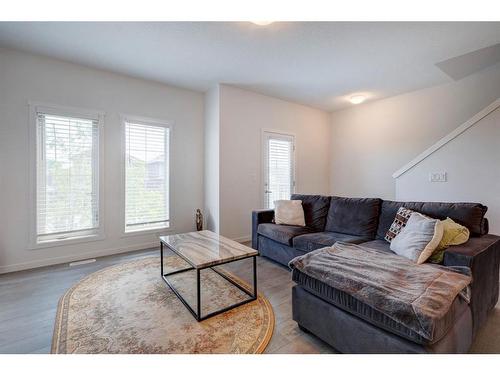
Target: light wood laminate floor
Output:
[{"x": 28, "y": 303}]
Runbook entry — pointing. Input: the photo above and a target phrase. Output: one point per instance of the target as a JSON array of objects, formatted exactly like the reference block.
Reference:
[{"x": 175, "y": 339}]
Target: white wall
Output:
[
  {"x": 25, "y": 77},
  {"x": 371, "y": 141},
  {"x": 216, "y": 160},
  {"x": 211, "y": 172},
  {"x": 243, "y": 115},
  {"x": 471, "y": 163}
]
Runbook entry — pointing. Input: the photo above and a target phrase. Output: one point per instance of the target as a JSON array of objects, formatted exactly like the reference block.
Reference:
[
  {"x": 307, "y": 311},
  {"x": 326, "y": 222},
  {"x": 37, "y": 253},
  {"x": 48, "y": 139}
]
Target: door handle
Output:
[{"x": 268, "y": 191}]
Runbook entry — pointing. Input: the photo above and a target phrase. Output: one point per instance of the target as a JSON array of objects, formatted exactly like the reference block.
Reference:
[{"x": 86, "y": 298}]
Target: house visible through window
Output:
[
  {"x": 67, "y": 182},
  {"x": 146, "y": 176}
]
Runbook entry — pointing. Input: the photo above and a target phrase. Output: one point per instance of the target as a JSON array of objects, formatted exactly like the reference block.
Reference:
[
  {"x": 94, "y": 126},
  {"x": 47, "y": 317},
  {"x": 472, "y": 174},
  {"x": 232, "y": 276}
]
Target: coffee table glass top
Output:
[{"x": 206, "y": 248}]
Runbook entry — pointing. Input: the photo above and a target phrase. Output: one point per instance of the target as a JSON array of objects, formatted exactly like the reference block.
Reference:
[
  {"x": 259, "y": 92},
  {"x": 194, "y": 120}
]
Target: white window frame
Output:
[
  {"x": 65, "y": 111},
  {"x": 124, "y": 118},
  {"x": 264, "y": 166}
]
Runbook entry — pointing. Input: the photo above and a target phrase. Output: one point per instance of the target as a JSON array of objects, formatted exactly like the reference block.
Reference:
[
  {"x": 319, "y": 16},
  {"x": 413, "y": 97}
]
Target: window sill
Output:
[
  {"x": 144, "y": 232},
  {"x": 66, "y": 242}
]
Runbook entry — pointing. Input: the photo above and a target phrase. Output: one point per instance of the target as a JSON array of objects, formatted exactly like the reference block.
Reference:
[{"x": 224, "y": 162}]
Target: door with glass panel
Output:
[{"x": 279, "y": 176}]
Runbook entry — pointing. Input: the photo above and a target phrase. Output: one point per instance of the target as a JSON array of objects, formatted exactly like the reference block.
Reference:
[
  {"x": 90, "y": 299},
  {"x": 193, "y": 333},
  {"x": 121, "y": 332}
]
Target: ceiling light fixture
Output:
[
  {"x": 357, "y": 99},
  {"x": 262, "y": 23}
]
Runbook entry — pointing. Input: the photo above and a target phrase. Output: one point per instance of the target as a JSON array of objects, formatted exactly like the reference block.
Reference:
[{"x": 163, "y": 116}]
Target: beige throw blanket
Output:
[{"x": 416, "y": 296}]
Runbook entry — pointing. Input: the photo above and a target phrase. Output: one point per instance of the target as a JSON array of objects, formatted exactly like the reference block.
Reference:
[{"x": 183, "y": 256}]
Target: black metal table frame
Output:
[{"x": 197, "y": 313}]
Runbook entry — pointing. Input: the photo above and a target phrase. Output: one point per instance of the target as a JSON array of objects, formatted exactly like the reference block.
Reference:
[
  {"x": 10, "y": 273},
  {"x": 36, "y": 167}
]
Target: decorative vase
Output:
[{"x": 199, "y": 220}]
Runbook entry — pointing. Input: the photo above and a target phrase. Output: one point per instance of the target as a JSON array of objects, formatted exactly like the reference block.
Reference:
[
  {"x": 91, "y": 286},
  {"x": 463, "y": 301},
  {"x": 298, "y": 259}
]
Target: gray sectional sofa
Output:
[{"x": 351, "y": 326}]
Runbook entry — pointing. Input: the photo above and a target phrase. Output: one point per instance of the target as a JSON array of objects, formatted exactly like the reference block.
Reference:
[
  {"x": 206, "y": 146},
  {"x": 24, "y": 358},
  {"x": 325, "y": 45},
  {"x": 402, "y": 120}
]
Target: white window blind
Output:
[
  {"x": 146, "y": 176},
  {"x": 67, "y": 202},
  {"x": 279, "y": 180}
]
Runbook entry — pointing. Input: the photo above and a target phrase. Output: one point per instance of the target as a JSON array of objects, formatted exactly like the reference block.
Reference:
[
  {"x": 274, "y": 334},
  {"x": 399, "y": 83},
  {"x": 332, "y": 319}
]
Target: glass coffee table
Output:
[{"x": 202, "y": 250}]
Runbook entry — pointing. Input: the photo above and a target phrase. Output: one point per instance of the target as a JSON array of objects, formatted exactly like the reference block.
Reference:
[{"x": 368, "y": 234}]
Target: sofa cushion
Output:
[
  {"x": 277, "y": 251},
  {"x": 281, "y": 233},
  {"x": 315, "y": 209},
  {"x": 356, "y": 216},
  {"x": 470, "y": 215},
  {"x": 378, "y": 245},
  {"x": 350, "y": 304},
  {"x": 313, "y": 241}
]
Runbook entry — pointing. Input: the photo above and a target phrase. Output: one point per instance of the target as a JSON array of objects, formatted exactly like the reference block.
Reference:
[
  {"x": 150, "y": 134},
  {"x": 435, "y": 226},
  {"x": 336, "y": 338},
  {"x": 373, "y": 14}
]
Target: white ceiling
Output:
[{"x": 316, "y": 63}]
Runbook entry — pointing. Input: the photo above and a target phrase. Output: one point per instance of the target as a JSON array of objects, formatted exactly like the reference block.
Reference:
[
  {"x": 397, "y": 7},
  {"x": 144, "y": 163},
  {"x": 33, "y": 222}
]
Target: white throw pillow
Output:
[
  {"x": 419, "y": 238},
  {"x": 289, "y": 212}
]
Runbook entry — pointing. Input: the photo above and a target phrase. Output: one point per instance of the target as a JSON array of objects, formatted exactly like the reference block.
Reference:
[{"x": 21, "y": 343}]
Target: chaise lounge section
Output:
[{"x": 351, "y": 326}]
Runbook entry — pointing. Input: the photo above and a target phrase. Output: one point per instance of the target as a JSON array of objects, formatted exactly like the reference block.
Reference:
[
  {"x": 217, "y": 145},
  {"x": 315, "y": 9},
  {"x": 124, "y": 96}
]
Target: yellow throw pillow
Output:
[{"x": 453, "y": 234}]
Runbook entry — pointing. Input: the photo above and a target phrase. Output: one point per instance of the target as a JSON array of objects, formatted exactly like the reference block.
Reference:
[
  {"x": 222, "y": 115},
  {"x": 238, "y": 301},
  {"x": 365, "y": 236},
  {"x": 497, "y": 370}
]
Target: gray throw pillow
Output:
[
  {"x": 289, "y": 212},
  {"x": 419, "y": 238}
]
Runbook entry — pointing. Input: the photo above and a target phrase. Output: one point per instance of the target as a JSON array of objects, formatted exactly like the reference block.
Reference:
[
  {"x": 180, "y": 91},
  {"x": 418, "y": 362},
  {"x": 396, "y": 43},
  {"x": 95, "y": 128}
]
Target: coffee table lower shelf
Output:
[{"x": 197, "y": 314}]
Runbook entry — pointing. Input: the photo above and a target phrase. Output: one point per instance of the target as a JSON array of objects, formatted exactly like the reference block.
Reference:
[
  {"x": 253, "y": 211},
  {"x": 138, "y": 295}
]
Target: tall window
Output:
[
  {"x": 279, "y": 179},
  {"x": 67, "y": 178},
  {"x": 146, "y": 176}
]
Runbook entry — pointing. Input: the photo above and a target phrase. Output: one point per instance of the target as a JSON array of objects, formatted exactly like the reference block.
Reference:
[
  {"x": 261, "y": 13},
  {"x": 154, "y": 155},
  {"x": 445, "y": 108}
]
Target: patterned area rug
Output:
[{"x": 129, "y": 309}]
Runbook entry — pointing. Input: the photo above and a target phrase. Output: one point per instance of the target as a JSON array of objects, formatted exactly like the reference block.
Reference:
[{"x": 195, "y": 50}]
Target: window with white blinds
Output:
[
  {"x": 279, "y": 180},
  {"x": 67, "y": 196},
  {"x": 146, "y": 176}
]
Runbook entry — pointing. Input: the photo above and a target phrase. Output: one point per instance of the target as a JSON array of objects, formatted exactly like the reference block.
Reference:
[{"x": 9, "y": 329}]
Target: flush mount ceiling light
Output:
[
  {"x": 262, "y": 23},
  {"x": 357, "y": 99}
]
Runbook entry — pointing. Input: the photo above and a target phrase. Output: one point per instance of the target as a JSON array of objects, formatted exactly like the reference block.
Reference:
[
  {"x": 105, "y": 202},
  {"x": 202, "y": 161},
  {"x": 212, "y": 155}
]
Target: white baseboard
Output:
[
  {"x": 242, "y": 239},
  {"x": 74, "y": 257}
]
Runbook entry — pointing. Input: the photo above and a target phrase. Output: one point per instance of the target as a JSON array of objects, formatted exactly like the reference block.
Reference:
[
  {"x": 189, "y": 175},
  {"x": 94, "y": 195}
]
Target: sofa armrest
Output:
[
  {"x": 259, "y": 217},
  {"x": 467, "y": 253},
  {"x": 482, "y": 256}
]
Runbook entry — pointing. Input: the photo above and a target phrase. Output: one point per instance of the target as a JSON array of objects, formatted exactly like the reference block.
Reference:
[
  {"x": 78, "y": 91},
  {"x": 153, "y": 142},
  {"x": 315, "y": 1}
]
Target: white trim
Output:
[
  {"x": 169, "y": 124},
  {"x": 263, "y": 154},
  {"x": 67, "y": 241},
  {"x": 76, "y": 257},
  {"x": 156, "y": 231},
  {"x": 454, "y": 134},
  {"x": 62, "y": 110},
  {"x": 82, "y": 262},
  {"x": 34, "y": 107},
  {"x": 146, "y": 120}
]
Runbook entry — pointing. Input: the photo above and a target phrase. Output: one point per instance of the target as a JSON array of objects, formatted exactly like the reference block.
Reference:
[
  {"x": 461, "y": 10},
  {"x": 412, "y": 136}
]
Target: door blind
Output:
[
  {"x": 147, "y": 176},
  {"x": 67, "y": 176},
  {"x": 280, "y": 179}
]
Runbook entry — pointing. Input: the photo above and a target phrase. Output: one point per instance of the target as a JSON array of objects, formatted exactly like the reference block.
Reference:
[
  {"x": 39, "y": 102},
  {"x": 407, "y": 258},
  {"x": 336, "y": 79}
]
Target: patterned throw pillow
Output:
[{"x": 399, "y": 223}]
